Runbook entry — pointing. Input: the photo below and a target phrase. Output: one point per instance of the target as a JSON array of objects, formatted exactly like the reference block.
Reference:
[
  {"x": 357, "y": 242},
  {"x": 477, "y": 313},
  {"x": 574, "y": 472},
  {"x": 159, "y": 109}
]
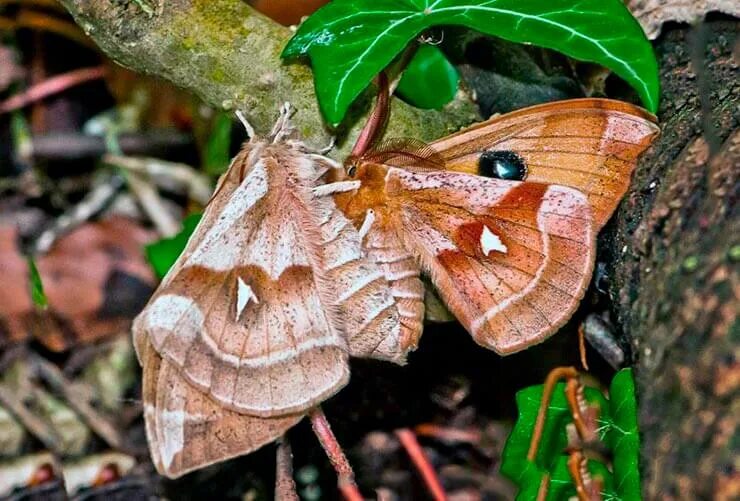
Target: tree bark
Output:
[
  {"x": 229, "y": 55},
  {"x": 675, "y": 248}
]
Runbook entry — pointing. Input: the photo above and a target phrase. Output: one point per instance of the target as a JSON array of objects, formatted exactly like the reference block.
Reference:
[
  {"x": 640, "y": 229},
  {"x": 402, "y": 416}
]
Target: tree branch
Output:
[{"x": 229, "y": 55}]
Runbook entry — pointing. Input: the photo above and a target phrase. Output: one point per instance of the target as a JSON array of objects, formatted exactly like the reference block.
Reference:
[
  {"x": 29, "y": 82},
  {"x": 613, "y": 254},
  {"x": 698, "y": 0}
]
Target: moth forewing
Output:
[
  {"x": 283, "y": 350},
  {"x": 591, "y": 145},
  {"x": 510, "y": 259},
  {"x": 254, "y": 323}
]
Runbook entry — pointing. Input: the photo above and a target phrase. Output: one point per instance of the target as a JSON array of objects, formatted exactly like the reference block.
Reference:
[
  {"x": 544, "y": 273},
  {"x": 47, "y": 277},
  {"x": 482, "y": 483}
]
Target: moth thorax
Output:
[{"x": 502, "y": 165}]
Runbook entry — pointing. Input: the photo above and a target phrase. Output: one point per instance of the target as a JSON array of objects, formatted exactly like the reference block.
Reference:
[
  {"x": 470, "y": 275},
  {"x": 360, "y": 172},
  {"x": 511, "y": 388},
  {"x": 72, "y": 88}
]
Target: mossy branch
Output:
[{"x": 229, "y": 55}]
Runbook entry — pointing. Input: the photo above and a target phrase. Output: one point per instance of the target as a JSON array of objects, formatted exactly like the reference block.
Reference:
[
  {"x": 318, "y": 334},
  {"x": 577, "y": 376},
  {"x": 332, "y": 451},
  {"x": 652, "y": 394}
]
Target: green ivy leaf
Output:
[
  {"x": 351, "y": 41},
  {"x": 623, "y": 437},
  {"x": 430, "y": 80},
  {"x": 551, "y": 458},
  {"x": 216, "y": 155},
  {"x": 163, "y": 253},
  {"x": 38, "y": 296}
]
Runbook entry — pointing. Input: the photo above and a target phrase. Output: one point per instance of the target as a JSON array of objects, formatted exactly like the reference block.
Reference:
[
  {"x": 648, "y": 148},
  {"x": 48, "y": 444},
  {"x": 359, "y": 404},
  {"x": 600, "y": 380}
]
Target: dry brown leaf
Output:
[
  {"x": 653, "y": 13},
  {"x": 95, "y": 278}
]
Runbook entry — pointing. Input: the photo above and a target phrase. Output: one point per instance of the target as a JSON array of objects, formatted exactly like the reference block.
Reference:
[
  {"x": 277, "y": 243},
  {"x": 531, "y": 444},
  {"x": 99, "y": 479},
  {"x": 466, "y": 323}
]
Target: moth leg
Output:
[
  {"x": 326, "y": 149},
  {"x": 321, "y": 158},
  {"x": 338, "y": 187},
  {"x": 247, "y": 126}
]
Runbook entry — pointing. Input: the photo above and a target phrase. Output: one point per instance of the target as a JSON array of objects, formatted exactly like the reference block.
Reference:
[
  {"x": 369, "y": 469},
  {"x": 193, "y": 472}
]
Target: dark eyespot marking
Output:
[{"x": 502, "y": 165}]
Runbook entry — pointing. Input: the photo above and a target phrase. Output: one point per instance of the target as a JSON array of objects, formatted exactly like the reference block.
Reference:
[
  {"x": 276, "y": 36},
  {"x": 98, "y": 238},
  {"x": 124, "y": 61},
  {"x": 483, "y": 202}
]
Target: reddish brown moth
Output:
[
  {"x": 254, "y": 323},
  {"x": 510, "y": 256}
]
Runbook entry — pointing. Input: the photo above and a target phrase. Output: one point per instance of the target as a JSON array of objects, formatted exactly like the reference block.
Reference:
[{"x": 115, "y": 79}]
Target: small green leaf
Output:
[
  {"x": 37, "y": 287},
  {"x": 163, "y": 253},
  {"x": 430, "y": 80},
  {"x": 351, "y": 41},
  {"x": 216, "y": 156},
  {"x": 623, "y": 435},
  {"x": 551, "y": 456}
]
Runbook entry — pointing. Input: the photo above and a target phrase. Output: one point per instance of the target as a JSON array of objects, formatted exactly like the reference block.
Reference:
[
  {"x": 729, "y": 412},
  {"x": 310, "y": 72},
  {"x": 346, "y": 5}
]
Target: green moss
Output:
[
  {"x": 189, "y": 43},
  {"x": 218, "y": 75}
]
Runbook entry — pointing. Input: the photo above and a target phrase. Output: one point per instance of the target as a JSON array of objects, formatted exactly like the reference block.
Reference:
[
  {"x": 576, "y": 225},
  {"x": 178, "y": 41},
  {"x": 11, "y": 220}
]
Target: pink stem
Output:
[
  {"x": 50, "y": 87},
  {"x": 346, "y": 477},
  {"x": 420, "y": 459}
]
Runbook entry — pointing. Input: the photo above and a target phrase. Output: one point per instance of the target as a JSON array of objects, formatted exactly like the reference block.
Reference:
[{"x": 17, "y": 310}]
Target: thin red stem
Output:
[
  {"x": 448, "y": 434},
  {"x": 553, "y": 377},
  {"x": 50, "y": 87},
  {"x": 376, "y": 121},
  {"x": 422, "y": 463},
  {"x": 582, "y": 346},
  {"x": 285, "y": 489},
  {"x": 345, "y": 474}
]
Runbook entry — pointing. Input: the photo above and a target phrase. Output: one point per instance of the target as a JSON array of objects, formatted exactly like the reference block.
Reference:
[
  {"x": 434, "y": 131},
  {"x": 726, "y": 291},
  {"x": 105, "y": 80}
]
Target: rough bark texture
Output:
[
  {"x": 229, "y": 55},
  {"x": 675, "y": 254}
]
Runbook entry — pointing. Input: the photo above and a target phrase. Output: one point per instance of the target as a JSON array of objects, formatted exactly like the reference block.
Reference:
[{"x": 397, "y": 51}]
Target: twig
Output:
[
  {"x": 152, "y": 204},
  {"x": 73, "y": 145},
  {"x": 94, "y": 202},
  {"x": 555, "y": 375},
  {"x": 285, "y": 489},
  {"x": 448, "y": 434},
  {"x": 173, "y": 176},
  {"x": 544, "y": 487},
  {"x": 600, "y": 335},
  {"x": 587, "y": 489},
  {"x": 78, "y": 402},
  {"x": 13, "y": 402},
  {"x": 582, "y": 347},
  {"x": 420, "y": 459},
  {"x": 51, "y": 86},
  {"x": 346, "y": 477}
]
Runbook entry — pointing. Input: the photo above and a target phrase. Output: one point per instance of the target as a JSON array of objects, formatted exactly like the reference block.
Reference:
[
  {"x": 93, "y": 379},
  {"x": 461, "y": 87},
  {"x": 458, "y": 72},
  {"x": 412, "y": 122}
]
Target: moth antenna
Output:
[
  {"x": 321, "y": 158},
  {"x": 326, "y": 149},
  {"x": 246, "y": 124},
  {"x": 577, "y": 467}
]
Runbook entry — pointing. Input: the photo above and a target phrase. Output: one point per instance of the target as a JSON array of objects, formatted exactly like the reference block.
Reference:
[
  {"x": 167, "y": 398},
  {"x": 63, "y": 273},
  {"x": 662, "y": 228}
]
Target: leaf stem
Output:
[
  {"x": 553, "y": 377},
  {"x": 421, "y": 461},
  {"x": 345, "y": 474}
]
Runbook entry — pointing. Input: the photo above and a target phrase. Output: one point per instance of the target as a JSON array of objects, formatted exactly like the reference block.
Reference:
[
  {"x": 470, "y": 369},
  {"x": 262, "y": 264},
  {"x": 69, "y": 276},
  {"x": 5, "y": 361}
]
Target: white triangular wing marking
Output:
[
  {"x": 243, "y": 294},
  {"x": 489, "y": 241}
]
